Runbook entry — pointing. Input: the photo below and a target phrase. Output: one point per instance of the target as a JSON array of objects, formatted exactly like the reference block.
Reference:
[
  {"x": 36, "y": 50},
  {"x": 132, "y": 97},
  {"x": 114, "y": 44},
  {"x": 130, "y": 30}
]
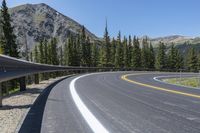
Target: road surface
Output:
[{"x": 119, "y": 103}]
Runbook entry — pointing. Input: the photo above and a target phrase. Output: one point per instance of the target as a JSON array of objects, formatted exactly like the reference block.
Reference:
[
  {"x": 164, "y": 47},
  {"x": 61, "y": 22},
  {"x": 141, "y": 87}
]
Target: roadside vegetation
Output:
[{"x": 189, "y": 81}]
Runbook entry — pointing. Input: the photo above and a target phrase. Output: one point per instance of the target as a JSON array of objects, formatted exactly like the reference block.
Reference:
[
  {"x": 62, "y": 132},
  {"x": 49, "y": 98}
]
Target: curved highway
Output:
[{"x": 121, "y": 102}]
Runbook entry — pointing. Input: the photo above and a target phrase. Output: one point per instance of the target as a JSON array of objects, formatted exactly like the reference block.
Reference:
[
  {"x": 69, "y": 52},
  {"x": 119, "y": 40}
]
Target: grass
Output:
[{"x": 190, "y": 81}]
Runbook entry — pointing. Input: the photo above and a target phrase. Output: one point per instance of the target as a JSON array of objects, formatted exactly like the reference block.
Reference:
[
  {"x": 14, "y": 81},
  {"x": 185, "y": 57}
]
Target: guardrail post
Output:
[
  {"x": 22, "y": 82},
  {"x": 1, "y": 95},
  {"x": 36, "y": 78}
]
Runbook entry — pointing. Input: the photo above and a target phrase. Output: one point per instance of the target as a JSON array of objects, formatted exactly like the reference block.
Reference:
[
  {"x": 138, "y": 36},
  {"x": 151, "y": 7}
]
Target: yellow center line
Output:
[{"x": 124, "y": 77}]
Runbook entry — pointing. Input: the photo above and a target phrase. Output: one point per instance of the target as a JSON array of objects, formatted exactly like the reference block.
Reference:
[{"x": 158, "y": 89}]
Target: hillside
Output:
[{"x": 34, "y": 22}]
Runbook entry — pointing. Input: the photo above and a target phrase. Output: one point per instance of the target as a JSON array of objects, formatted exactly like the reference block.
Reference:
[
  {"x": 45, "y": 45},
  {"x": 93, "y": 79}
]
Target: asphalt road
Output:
[{"x": 109, "y": 103}]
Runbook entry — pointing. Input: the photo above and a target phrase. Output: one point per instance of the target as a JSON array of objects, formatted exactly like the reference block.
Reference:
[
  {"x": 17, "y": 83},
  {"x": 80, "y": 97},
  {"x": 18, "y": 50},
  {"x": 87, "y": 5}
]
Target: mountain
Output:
[
  {"x": 183, "y": 43},
  {"x": 176, "y": 39},
  {"x": 34, "y": 22}
]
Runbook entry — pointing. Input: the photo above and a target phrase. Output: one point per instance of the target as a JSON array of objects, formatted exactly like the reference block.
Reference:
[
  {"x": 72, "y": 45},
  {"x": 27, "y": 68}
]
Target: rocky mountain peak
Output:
[{"x": 35, "y": 22}]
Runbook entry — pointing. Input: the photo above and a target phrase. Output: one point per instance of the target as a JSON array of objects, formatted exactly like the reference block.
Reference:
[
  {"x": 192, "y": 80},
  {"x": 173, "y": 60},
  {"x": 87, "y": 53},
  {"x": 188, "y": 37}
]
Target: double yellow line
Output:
[{"x": 125, "y": 77}]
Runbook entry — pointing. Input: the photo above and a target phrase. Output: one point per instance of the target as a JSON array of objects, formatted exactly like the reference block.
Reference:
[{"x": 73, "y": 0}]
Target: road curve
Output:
[{"x": 122, "y": 106}]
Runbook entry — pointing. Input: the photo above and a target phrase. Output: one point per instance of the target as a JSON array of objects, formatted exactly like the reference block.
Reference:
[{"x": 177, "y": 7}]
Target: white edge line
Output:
[
  {"x": 91, "y": 120},
  {"x": 158, "y": 80}
]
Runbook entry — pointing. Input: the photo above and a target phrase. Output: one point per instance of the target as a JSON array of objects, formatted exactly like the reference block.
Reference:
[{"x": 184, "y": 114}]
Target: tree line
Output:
[{"x": 125, "y": 53}]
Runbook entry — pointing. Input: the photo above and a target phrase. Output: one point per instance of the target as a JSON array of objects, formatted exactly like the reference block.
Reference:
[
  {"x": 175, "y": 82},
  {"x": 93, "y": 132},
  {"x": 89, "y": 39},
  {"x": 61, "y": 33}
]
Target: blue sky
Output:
[{"x": 135, "y": 17}]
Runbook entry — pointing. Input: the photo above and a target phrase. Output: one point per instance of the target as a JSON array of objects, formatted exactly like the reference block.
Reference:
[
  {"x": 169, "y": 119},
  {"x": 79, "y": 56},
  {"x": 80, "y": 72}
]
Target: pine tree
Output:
[
  {"x": 113, "y": 52},
  {"x": 50, "y": 54},
  {"x": 45, "y": 50},
  {"x": 10, "y": 47},
  {"x": 83, "y": 47},
  {"x": 119, "y": 52},
  {"x": 125, "y": 49},
  {"x": 145, "y": 54},
  {"x": 36, "y": 54},
  {"x": 31, "y": 56},
  {"x": 1, "y": 50},
  {"x": 2, "y": 45},
  {"x": 107, "y": 46},
  {"x": 88, "y": 52},
  {"x": 54, "y": 57},
  {"x": 161, "y": 57},
  {"x": 151, "y": 57},
  {"x": 172, "y": 58},
  {"x": 136, "y": 54},
  {"x": 41, "y": 52},
  {"x": 2, "y": 38},
  {"x": 77, "y": 51},
  {"x": 66, "y": 53},
  {"x": 199, "y": 61},
  {"x": 179, "y": 60},
  {"x": 102, "y": 56},
  {"x": 129, "y": 52},
  {"x": 61, "y": 56},
  {"x": 192, "y": 61},
  {"x": 69, "y": 56},
  {"x": 94, "y": 55}
]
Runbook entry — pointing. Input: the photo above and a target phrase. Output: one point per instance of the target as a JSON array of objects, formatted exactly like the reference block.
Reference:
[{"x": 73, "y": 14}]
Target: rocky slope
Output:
[{"x": 34, "y": 22}]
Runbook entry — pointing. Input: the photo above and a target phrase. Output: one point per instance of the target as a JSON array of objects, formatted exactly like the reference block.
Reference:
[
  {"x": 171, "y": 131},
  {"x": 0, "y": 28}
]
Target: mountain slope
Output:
[
  {"x": 34, "y": 22},
  {"x": 176, "y": 39}
]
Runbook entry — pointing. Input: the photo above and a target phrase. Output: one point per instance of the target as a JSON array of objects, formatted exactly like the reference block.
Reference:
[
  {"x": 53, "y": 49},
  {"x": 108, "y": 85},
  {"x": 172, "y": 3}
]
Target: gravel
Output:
[{"x": 16, "y": 106}]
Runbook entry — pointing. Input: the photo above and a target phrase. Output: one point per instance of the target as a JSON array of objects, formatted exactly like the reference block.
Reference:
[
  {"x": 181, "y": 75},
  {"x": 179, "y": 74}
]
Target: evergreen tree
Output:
[
  {"x": 129, "y": 52},
  {"x": 10, "y": 47},
  {"x": 45, "y": 50},
  {"x": 113, "y": 52},
  {"x": 61, "y": 56},
  {"x": 2, "y": 45},
  {"x": 36, "y": 54},
  {"x": 125, "y": 49},
  {"x": 161, "y": 57},
  {"x": 50, "y": 54},
  {"x": 54, "y": 56},
  {"x": 107, "y": 46},
  {"x": 41, "y": 51},
  {"x": 151, "y": 57},
  {"x": 179, "y": 60},
  {"x": 136, "y": 54},
  {"x": 145, "y": 54},
  {"x": 192, "y": 61},
  {"x": 31, "y": 56},
  {"x": 94, "y": 55},
  {"x": 69, "y": 56},
  {"x": 88, "y": 52},
  {"x": 66, "y": 53},
  {"x": 199, "y": 61},
  {"x": 77, "y": 52},
  {"x": 83, "y": 47},
  {"x": 1, "y": 50},
  {"x": 172, "y": 58},
  {"x": 119, "y": 52},
  {"x": 102, "y": 56}
]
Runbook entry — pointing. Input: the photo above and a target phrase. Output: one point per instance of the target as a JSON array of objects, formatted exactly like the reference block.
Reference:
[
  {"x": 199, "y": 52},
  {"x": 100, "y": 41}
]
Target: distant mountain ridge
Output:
[{"x": 176, "y": 39}]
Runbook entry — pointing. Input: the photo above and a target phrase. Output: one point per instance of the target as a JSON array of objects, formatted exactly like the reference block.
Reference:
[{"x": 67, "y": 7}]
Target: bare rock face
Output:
[{"x": 34, "y": 22}]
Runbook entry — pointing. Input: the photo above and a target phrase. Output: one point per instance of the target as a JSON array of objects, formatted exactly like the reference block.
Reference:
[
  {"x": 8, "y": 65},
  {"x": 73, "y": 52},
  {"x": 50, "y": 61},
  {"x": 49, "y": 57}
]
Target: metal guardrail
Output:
[{"x": 12, "y": 68}]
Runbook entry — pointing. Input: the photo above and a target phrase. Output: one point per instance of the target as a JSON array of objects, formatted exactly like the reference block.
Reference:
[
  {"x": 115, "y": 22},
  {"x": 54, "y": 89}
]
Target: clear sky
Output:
[{"x": 135, "y": 17}]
